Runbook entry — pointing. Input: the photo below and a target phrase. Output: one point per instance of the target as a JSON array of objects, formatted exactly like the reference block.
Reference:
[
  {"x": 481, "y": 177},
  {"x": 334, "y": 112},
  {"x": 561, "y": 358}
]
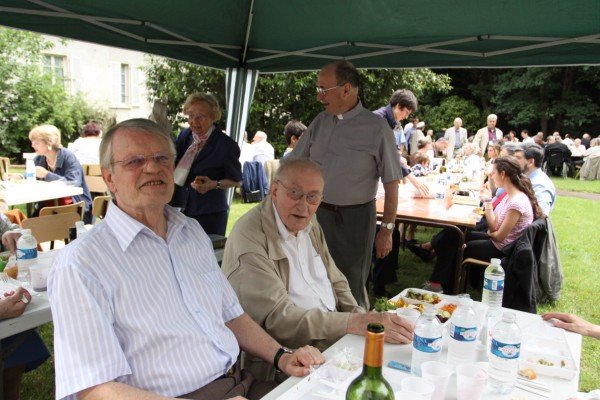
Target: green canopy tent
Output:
[{"x": 247, "y": 36}]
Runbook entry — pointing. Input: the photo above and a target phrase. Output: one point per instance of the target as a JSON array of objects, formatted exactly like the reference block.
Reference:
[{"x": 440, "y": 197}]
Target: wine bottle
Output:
[
  {"x": 443, "y": 167},
  {"x": 370, "y": 384}
]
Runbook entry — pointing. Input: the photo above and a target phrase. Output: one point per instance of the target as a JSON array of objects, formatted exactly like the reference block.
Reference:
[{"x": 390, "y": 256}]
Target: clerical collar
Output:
[{"x": 352, "y": 112}]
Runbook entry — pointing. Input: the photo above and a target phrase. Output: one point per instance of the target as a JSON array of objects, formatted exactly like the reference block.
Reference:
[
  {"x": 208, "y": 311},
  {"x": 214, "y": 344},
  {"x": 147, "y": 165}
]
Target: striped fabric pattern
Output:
[{"x": 130, "y": 307}]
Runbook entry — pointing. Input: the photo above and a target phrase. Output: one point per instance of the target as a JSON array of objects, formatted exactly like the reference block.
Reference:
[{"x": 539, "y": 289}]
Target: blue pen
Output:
[{"x": 399, "y": 366}]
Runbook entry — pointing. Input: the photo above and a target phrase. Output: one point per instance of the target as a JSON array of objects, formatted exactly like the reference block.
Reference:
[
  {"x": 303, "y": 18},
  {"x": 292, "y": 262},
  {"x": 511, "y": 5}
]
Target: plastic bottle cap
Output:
[
  {"x": 25, "y": 232},
  {"x": 496, "y": 261},
  {"x": 509, "y": 316}
]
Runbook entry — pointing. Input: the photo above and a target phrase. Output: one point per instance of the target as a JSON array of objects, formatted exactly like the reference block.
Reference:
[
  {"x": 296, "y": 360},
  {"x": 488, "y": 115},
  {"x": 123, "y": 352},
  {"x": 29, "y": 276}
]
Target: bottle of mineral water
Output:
[
  {"x": 504, "y": 354},
  {"x": 493, "y": 284},
  {"x": 29, "y": 170},
  {"x": 462, "y": 335},
  {"x": 26, "y": 254},
  {"x": 427, "y": 340}
]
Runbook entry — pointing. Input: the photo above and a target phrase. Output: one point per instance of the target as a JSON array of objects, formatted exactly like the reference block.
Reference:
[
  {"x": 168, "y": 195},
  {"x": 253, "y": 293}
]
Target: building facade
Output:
[{"x": 107, "y": 77}]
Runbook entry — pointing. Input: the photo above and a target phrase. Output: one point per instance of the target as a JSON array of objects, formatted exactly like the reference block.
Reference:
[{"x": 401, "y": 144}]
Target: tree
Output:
[
  {"x": 29, "y": 98},
  {"x": 442, "y": 116},
  {"x": 278, "y": 98}
]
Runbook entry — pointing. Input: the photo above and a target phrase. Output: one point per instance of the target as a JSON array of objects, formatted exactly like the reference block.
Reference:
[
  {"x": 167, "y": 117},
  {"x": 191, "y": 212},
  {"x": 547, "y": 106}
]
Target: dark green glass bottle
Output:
[{"x": 370, "y": 384}]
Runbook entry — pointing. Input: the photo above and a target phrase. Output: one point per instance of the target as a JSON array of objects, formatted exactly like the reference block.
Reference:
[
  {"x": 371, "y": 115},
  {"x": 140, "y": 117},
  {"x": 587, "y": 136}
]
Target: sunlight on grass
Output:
[{"x": 577, "y": 185}]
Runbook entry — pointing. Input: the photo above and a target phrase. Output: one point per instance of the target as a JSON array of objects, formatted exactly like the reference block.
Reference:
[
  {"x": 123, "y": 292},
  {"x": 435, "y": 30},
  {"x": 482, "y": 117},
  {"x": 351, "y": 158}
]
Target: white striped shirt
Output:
[{"x": 130, "y": 307}]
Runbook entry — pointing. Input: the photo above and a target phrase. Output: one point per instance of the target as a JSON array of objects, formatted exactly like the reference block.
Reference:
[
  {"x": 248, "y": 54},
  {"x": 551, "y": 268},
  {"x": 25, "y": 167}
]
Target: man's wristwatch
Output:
[
  {"x": 278, "y": 355},
  {"x": 218, "y": 185},
  {"x": 388, "y": 225}
]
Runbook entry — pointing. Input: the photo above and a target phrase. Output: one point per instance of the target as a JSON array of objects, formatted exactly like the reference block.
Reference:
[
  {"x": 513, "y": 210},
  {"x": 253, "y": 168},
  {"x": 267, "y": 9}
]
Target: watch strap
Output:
[{"x": 278, "y": 355}]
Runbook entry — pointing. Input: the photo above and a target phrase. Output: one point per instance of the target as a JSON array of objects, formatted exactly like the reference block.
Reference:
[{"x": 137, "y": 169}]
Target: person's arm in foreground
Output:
[
  {"x": 573, "y": 323},
  {"x": 14, "y": 303},
  {"x": 116, "y": 390},
  {"x": 511, "y": 219},
  {"x": 383, "y": 239},
  {"x": 255, "y": 341}
]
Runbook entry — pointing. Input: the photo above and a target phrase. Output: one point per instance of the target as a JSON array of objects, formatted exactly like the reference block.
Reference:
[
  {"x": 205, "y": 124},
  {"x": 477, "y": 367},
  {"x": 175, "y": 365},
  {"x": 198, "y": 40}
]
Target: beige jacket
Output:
[{"x": 257, "y": 268}]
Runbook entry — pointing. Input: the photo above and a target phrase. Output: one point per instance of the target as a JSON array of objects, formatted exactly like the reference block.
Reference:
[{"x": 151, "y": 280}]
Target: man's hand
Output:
[
  {"x": 203, "y": 184},
  {"x": 9, "y": 240},
  {"x": 298, "y": 363},
  {"x": 14, "y": 303},
  {"x": 383, "y": 243},
  {"x": 397, "y": 329}
]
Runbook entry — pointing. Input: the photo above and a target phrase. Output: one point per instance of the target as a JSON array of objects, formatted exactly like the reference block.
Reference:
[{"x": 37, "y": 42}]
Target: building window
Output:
[
  {"x": 124, "y": 84},
  {"x": 55, "y": 66}
]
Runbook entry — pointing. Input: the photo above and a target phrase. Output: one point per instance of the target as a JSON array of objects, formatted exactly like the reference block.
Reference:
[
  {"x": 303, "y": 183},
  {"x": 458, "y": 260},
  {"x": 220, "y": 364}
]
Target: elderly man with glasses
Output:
[
  {"x": 355, "y": 148},
  {"x": 278, "y": 262}
]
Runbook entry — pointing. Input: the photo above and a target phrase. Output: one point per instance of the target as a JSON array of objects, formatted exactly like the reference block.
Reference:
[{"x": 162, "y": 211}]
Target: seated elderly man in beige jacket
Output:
[{"x": 277, "y": 261}]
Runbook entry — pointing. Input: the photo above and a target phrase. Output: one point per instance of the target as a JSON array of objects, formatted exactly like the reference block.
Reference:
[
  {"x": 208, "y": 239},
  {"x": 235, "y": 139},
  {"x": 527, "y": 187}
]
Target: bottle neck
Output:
[{"x": 373, "y": 359}]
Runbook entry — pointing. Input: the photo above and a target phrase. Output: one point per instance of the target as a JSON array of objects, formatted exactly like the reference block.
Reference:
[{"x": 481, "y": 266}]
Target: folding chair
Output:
[
  {"x": 52, "y": 227},
  {"x": 100, "y": 205},
  {"x": 4, "y": 166},
  {"x": 78, "y": 208},
  {"x": 93, "y": 179}
]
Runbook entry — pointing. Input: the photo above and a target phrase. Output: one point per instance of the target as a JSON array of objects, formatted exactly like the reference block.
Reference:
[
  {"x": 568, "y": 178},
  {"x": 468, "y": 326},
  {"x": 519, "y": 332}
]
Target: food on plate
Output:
[
  {"x": 12, "y": 271},
  {"x": 444, "y": 313},
  {"x": 382, "y": 304},
  {"x": 545, "y": 362},
  {"x": 430, "y": 298},
  {"x": 528, "y": 373},
  {"x": 479, "y": 210}
]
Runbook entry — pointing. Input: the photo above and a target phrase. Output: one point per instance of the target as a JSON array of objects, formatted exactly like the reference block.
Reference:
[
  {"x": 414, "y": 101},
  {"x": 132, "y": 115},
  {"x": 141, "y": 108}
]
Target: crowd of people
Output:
[{"x": 144, "y": 285}]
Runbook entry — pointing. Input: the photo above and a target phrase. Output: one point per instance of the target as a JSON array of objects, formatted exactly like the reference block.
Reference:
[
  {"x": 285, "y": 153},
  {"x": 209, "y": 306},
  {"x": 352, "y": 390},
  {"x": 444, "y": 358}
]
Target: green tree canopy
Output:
[{"x": 279, "y": 97}]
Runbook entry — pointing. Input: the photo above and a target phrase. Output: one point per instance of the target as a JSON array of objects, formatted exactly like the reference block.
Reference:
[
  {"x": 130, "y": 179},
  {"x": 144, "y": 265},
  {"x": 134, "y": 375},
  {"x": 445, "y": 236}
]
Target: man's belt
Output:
[{"x": 333, "y": 207}]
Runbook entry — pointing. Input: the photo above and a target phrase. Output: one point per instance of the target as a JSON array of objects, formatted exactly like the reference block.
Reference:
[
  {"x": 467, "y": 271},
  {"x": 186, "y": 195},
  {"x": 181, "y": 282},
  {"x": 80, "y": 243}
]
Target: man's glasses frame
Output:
[
  {"x": 140, "y": 160},
  {"x": 320, "y": 90},
  {"x": 312, "y": 198}
]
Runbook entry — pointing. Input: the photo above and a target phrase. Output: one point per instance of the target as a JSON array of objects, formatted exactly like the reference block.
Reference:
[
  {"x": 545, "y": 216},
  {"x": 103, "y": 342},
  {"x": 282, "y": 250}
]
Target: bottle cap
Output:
[
  {"x": 25, "y": 232},
  {"x": 509, "y": 316},
  {"x": 496, "y": 261}
]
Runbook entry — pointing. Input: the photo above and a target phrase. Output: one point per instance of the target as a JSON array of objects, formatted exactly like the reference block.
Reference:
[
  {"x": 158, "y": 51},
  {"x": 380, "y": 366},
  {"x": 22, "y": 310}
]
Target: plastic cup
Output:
[
  {"x": 470, "y": 381},
  {"x": 39, "y": 277},
  {"x": 439, "y": 374},
  {"x": 422, "y": 387},
  {"x": 406, "y": 395},
  {"x": 409, "y": 314}
]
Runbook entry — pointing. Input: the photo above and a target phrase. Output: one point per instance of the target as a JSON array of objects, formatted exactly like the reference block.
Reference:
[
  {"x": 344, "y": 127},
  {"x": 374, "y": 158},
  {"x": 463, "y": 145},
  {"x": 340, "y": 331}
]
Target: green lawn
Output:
[
  {"x": 576, "y": 223},
  {"x": 577, "y": 185}
]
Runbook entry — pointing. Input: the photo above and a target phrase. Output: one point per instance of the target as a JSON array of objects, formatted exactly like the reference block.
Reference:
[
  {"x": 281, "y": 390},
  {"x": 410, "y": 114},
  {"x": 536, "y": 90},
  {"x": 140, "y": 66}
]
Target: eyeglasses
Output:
[
  {"x": 320, "y": 90},
  {"x": 139, "y": 161},
  {"x": 296, "y": 194}
]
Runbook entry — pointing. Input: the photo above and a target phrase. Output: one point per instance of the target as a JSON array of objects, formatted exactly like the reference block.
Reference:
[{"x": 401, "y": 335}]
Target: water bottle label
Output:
[
  {"x": 493, "y": 285},
  {"x": 506, "y": 351},
  {"x": 27, "y": 254},
  {"x": 461, "y": 334},
  {"x": 427, "y": 345}
]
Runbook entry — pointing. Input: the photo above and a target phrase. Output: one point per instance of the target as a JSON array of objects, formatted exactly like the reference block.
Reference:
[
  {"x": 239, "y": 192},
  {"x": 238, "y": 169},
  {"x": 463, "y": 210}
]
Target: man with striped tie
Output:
[{"x": 141, "y": 309}]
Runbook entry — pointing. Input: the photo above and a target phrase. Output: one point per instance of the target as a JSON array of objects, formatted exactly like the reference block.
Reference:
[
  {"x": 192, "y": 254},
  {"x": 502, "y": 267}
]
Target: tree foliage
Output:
[
  {"x": 441, "y": 117},
  {"x": 29, "y": 98},
  {"x": 278, "y": 97}
]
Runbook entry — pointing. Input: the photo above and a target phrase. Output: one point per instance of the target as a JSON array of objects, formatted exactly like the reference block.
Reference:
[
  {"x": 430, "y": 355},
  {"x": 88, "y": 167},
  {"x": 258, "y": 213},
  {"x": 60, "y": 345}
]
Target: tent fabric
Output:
[{"x": 293, "y": 35}]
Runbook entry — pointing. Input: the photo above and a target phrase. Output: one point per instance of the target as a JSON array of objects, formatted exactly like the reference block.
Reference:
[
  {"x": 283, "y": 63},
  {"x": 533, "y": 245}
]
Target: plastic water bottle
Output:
[
  {"x": 26, "y": 254},
  {"x": 492, "y": 317},
  {"x": 29, "y": 170},
  {"x": 80, "y": 228},
  {"x": 427, "y": 340},
  {"x": 462, "y": 334},
  {"x": 493, "y": 284},
  {"x": 504, "y": 354}
]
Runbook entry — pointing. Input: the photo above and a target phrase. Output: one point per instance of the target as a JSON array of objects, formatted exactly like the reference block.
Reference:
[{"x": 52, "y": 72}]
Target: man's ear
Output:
[{"x": 107, "y": 176}]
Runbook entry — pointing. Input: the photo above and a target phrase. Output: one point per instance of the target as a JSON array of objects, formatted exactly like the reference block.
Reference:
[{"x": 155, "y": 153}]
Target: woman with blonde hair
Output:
[
  {"x": 207, "y": 163},
  {"x": 53, "y": 163}
]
